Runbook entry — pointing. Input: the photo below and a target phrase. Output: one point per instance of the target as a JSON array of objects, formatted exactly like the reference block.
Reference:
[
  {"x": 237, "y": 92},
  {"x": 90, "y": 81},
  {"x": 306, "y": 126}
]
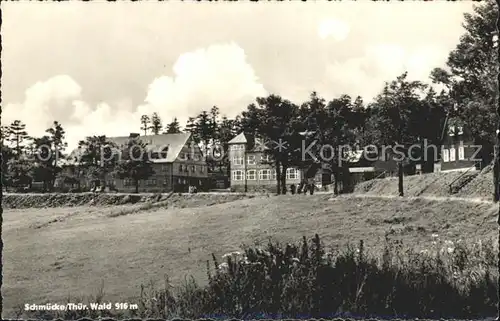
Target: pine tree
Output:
[
  {"x": 145, "y": 121},
  {"x": 191, "y": 128},
  {"x": 16, "y": 135},
  {"x": 156, "y": 124},
  {"x": 173, "y": 127}
]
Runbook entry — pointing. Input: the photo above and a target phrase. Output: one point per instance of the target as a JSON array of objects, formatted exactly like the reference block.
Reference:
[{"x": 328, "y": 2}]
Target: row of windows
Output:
[
  {"x": 185, "y": 181},
  {"x": 263, "y": 174},
  {"x": 237, "y": 147},
  {"x": 191, "y": 168},
  {"x": 189, "y": 156},
  {"x": 449, "y": 154},
  {"x": 148, "y": 182},
  {"x": 154, "y": 182},
  {"x": 251, "y": 159}
]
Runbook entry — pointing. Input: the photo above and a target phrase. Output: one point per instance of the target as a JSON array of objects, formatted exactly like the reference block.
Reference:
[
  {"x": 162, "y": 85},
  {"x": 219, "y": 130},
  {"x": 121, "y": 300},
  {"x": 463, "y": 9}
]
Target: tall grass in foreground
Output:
[{"x": 448, "y": 280}]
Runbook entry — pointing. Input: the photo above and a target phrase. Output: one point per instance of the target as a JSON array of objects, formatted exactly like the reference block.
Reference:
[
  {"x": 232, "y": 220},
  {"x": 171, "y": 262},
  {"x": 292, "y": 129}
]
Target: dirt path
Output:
[{"x": 429, "y": 198}]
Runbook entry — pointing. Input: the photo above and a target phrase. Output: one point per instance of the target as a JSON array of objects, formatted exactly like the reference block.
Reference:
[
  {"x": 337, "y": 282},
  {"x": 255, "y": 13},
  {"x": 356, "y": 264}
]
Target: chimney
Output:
[{"x": 134, "y": 135}]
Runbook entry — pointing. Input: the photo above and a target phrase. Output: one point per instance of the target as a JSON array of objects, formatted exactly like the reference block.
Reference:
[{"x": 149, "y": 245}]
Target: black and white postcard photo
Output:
[{"x": 250, "y": 160}]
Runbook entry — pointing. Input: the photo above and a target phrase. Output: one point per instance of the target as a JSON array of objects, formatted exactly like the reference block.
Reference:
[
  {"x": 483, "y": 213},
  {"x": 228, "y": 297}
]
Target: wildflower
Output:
[
  {"x": 447, "y": 242},
  {"x": 424, "y": 251},
  {"x": 245, "y": 260},
  {"x": 434, "y": 236},
  {"x": 295, "y": 260},
  {"x": 450, "y": 250},
  {"x": 327, "y": 256},
  {"x": 434, "y": 242},
  {"x": 223, "y": 266},
  {"x": 236, "y": 253}
]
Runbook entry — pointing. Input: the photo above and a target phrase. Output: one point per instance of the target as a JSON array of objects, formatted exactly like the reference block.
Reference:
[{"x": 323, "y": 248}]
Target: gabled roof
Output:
[
  {"x": 253, "y": 144},
  {"x": 155, "y": 143},
  {"x": 239, "y": 139}
]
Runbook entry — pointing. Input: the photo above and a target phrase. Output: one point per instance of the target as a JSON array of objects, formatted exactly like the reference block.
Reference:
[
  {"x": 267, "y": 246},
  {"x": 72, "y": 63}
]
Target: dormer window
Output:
[{"x": 163, "y": 153}]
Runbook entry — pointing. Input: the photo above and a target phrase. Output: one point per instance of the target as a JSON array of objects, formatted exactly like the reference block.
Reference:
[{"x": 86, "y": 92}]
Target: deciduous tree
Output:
[
  {"x": 134, "y": 162},
  {"x": 97, "y": 157}
]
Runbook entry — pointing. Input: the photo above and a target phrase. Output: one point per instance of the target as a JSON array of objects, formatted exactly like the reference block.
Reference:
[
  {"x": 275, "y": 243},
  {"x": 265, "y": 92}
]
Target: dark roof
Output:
[{"x": 155, "y": 143}]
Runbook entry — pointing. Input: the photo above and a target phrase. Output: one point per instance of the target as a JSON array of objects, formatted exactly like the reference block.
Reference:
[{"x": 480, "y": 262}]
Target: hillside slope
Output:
[{"x": 476, "y": 184}]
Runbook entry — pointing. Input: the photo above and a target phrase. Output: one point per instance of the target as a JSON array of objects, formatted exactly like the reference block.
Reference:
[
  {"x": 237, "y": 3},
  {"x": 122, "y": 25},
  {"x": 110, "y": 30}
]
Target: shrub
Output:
[
  {"x": 447, "y": 280},
  {"x": 305, "y": 280}
]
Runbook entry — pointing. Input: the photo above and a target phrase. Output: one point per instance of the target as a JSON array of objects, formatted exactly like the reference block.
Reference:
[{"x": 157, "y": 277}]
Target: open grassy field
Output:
[{"x": 51, "y": 254}]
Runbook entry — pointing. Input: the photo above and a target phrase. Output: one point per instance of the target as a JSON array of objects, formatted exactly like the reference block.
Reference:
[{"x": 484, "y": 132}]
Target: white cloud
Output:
[
  {"x": 44, "y": 102},
  {"x": 334, "y": 28},
  {"x": 365, "y": 75},
  {"x": 218, "y": 75}
]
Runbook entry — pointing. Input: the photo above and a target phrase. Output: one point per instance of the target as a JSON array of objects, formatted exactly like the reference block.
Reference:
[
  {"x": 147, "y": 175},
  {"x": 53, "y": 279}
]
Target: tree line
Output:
[
  {"x": 405, "y": 112},
  {"x": 27, "y": 159}
]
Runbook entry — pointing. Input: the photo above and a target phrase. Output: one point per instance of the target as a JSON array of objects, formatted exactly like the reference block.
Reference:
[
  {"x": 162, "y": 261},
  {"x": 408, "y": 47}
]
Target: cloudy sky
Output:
[{"x": 96, "y": 67}]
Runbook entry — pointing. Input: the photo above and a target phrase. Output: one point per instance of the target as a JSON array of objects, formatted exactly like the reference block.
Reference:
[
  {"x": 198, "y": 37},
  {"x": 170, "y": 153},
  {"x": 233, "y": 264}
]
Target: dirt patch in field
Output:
[
  {"x": 470, "y": 184},
  {"x": 179, "y": 202}
]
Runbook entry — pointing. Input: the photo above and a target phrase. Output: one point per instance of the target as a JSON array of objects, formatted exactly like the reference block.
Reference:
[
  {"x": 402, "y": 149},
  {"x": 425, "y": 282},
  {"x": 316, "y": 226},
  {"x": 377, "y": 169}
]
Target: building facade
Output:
[
  {"x": 458, "y": 151},
  {"x": 251, "y": 169},
  {"x": 176, "y": 161}
]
